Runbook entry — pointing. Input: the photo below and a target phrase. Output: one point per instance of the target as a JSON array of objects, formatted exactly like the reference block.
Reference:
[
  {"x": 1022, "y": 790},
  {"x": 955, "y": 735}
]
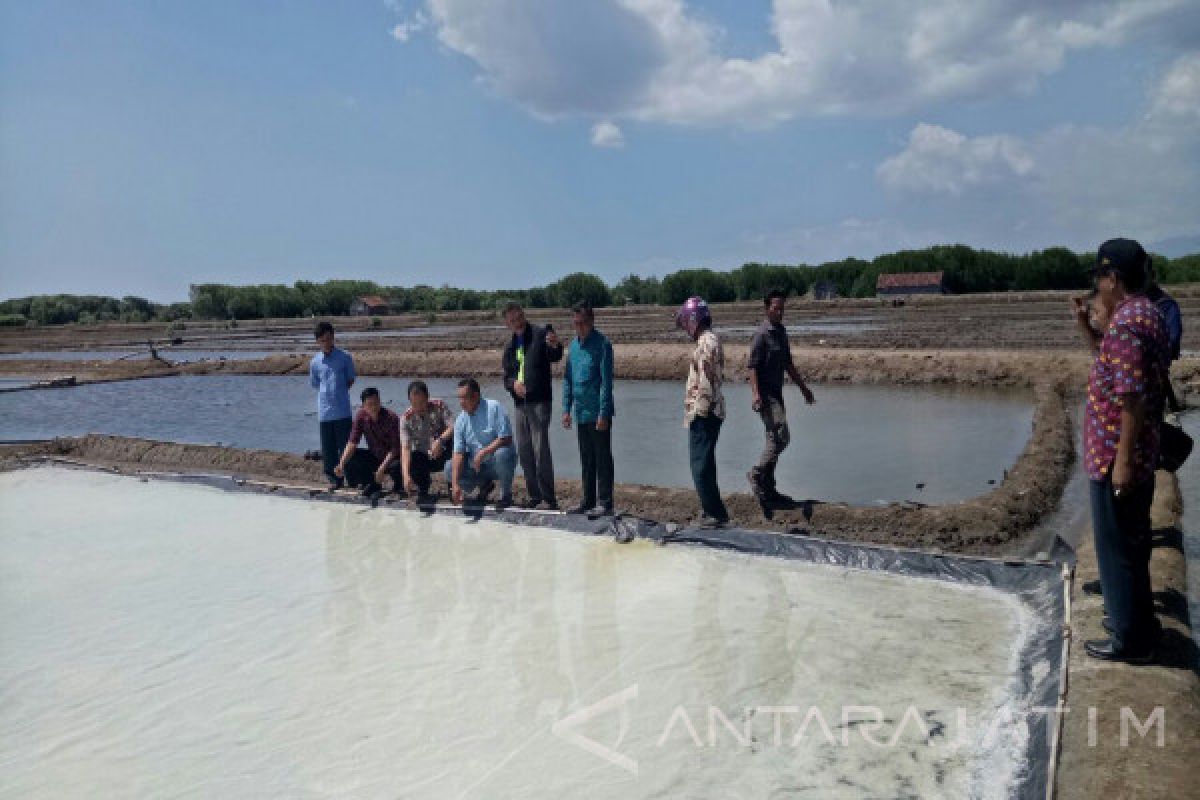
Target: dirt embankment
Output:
[
  {"x": 654, "y": 362},
  {"x": 1095, "y": 762}
]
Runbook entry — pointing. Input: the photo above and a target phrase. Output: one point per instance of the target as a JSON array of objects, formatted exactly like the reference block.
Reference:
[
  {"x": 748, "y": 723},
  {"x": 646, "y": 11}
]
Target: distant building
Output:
[
  {"x": 823, "y": 290},
  {"x": 906, "y": 283},
  {"x": 369, "y": 306}
]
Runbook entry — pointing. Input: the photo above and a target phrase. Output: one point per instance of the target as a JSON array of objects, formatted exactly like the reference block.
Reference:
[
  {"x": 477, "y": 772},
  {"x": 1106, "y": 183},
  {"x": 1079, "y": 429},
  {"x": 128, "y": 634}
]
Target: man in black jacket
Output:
[{"x": 527, "y": 361}]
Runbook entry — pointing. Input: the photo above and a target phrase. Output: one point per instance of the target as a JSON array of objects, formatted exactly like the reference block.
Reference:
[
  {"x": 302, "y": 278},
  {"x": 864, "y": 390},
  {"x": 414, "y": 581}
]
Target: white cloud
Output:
[
  {"x": 607, "y": 134},
  {"x": 656, "y": 60},
  {"x": 407, "y": 27},
  {"x": 938, "y": 159},
  {"x": 1071, "y": 184}
]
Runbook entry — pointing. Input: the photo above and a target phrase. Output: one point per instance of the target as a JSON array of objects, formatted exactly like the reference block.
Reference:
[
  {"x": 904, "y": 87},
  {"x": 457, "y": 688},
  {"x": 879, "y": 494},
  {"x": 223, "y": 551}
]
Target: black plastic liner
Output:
[{"x": 1039, "y": 585}]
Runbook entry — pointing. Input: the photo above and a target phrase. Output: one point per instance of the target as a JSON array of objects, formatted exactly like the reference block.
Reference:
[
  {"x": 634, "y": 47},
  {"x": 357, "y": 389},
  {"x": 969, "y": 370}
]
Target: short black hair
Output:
[
  {"x": 471, "y": 384},
  {"x": 322, "y": 329},
  {"x": 772, "y": 294},
  {"x": 417, "y": 386},
  {"x": 511, "y": 306},
  {"x": 583, "y": 307},
  {"x": 370, "y": 391}
]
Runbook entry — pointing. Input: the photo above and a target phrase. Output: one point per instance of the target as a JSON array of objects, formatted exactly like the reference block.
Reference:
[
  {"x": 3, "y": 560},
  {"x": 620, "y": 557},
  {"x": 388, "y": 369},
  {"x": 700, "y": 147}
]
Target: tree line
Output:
[{"x": 966, "y": 270}]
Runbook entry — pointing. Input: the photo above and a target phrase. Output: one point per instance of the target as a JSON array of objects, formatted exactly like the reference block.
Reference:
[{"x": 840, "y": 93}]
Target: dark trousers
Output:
[
  {"x": 531, "y": 426},
  {"x": 334, "y": 435},
  {"x": 1121, "y": 529},
  {"x": 421, "y": 467},
  {"x": 596, "y": 463},
  {"x": 360, "y": 470},
  {"x": 702, "y": 451}
]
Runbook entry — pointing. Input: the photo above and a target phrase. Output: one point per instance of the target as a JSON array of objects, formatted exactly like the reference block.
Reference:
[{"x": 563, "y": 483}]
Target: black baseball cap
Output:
[{"x": 1125, "y": 257}]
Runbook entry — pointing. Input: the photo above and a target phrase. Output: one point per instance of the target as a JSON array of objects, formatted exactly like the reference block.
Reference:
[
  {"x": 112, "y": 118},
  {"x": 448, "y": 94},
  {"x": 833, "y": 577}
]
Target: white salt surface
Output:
[{"x": 166, "y": 640}]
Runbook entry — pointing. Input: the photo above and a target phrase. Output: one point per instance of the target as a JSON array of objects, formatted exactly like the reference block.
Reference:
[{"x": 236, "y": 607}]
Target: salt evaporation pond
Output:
[
  {"x": 140, "y": 354},
  {"x": 168, "y": 639},
  {"x": 858, "y": 444}
]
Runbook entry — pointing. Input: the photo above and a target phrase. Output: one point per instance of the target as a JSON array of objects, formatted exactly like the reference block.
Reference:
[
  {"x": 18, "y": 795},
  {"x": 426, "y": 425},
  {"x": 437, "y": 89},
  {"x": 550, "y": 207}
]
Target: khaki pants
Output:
[{"x": 774, "y": 419}]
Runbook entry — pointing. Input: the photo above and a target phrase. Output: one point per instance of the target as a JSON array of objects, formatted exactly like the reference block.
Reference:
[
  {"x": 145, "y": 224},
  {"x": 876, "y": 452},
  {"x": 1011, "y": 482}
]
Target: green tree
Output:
[{"x": 579, "y": 286}]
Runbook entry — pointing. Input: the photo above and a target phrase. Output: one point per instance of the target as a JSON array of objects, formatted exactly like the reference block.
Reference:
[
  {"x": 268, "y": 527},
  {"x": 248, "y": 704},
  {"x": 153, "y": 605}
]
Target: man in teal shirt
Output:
[{"x": 588, "y": 397}]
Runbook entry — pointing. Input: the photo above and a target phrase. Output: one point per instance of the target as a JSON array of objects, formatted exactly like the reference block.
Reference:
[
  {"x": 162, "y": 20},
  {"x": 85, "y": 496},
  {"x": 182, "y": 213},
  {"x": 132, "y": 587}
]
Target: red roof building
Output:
[
  {"x": 899, "y": 283},
  {"x": 369, "y": 305}
]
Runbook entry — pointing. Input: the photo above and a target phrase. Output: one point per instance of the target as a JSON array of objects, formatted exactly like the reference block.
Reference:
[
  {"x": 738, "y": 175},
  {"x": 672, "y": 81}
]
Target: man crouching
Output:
[{"x": 367, "y": 468}]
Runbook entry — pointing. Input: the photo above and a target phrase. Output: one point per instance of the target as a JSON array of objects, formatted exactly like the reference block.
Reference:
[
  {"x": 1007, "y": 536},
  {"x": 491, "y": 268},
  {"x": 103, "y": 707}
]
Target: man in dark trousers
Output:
[
  {"x": 1126, "y": 396},
  {"x": 331, "y": 373},
  {"x": 770, "y": 358},
  {"x": 527, "y": 359},
  {"x": 366, "y": 468},
  {"x": 588, "y": 400},
  {"x": 426, "y": 438}
]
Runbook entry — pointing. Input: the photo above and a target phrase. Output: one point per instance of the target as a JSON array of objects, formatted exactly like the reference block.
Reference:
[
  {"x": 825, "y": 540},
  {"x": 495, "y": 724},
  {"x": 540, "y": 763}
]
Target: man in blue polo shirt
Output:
[
  {"x": 483, "y": 449},
  {"x": 331, "y": 373}
]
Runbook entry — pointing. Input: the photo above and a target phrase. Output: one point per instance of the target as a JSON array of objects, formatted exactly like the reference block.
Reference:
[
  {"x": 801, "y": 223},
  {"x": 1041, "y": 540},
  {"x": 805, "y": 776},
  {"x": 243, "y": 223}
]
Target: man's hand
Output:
[
  {"x": 435, "y": 450},
  {"x": 1080, "y": 309},
  {"x": 519, "y": 389},
  {"x": 566, "y": 420},
  {"x": 602, "y": 423},
  {"x": 808, "y": 395},
  {"x": 552, "y": 338},
  {"x": 457, "y": 494},
  {"x": 409, "y": 484},
  {"x": 340, "y": 471},
  {"x": 1122, "y": 476},
  {"x": 380, "y": 474},
  {"x": 756, "y": 404},
  {"x": 478, "y": 460}
]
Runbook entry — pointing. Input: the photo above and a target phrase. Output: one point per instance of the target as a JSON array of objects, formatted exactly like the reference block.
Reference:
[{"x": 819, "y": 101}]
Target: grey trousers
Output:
[
  {"x": 531, "y": 429},
  {"x": 778, "y": 436}
]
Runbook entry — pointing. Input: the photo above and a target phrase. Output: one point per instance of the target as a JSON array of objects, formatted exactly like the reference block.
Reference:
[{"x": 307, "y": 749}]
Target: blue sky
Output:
[{"x": 145, "y": 146}]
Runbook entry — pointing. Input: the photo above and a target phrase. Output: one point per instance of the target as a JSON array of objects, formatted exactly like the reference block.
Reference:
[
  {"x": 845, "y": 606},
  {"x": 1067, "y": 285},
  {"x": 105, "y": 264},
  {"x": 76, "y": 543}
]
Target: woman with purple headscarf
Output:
[{"x": 704, "y": 407}]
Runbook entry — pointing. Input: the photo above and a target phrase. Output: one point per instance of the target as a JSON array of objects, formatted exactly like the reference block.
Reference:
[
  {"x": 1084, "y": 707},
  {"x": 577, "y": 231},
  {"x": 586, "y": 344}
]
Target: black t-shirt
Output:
[{"x": 770, "y": 356}]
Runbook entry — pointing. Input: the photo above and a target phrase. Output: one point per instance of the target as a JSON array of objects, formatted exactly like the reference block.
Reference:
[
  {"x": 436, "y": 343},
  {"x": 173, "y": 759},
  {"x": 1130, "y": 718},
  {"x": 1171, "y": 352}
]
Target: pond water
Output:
[
  {"x": 165, "y": 639},
  {"x": 858, "y": 444},
  {"x": 134, "y": 354}
]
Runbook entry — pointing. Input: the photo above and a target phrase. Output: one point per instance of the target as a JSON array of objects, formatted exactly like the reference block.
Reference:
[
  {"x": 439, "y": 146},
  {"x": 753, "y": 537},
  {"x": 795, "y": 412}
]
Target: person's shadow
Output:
[{"x": 1177, "y": 650}]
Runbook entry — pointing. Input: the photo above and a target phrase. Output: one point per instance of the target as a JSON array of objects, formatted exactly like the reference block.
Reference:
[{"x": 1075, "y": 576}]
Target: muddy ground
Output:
[
  {"x": 1010, "y": 321},
  {"x": 1094, "y": 763}
]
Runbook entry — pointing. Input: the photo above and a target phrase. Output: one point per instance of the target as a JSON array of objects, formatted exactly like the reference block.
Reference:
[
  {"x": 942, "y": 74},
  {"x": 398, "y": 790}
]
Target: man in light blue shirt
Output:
[
  {"x": 483, "y": 449},
  {"x": 331, "y": 373}
]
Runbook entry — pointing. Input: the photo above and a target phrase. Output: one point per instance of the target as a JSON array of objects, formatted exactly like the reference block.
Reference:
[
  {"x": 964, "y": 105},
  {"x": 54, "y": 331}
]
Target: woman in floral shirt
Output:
[{"x": 704, "y": 407}]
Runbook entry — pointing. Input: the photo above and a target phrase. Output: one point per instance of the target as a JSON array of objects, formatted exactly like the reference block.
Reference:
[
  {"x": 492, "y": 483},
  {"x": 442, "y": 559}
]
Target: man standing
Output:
[
  {"x": 704, "y": 408},
  {"x": 770, "y": 358},
  {"x": 426, "y": 435},
  {"x": 331, "y": 373},
  {"x": 527, "y": 361},
  {"x": 367, "y": 468},
  {"x": 1172, "y": 317},
  {"x": 1124, "y": 405},
  {"x": 483, "y": 451},
  {"x": 588, "y": 397}
]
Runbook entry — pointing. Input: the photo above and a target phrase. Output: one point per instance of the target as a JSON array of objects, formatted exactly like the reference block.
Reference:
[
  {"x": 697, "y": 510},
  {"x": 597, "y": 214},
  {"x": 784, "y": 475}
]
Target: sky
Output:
[{"x": 146, "y": 146}]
